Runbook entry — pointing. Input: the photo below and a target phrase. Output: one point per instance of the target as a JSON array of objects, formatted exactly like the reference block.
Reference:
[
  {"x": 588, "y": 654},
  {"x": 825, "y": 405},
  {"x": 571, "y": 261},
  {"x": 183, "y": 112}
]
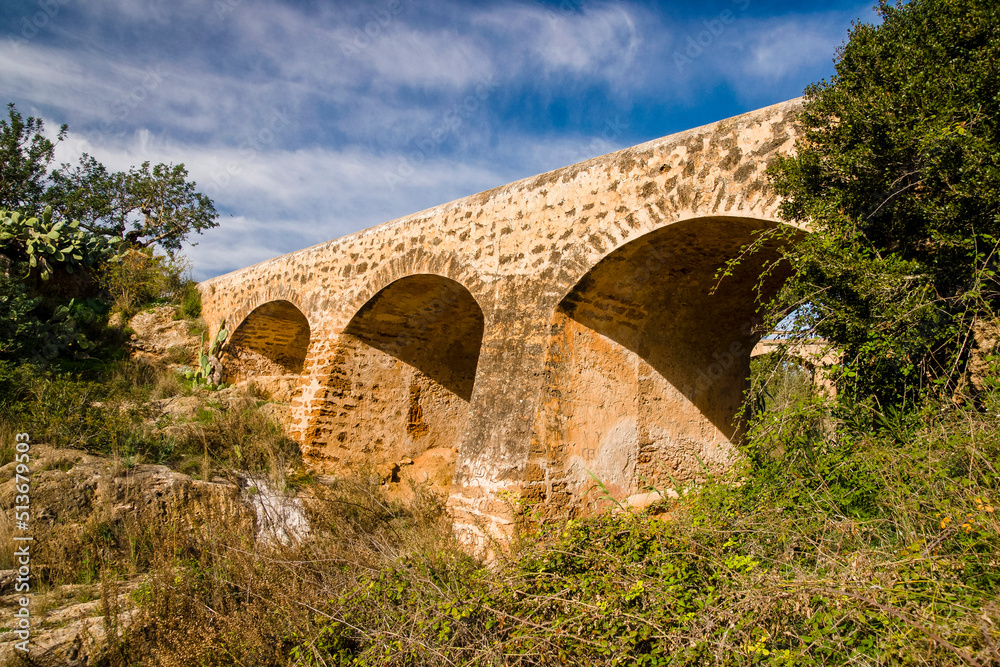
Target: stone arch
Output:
[
  {"x": 268, "y": 347},
  {"x": 398, "y": 389},
  {"x": 646, "y": 366},
  {"x": 258, "y": 298}
]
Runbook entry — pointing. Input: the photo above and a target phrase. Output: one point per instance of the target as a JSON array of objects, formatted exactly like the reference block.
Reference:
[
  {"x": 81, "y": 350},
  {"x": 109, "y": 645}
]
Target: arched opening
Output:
[
  {"x": 786, "y": 369},
  {"x": 779, "y": 380},
  {"x": 397, "y": 397},
  {"x": 273, "y": 338},
  {"x": 647, "y": 363},
  {"x": 268, "y": 348}
]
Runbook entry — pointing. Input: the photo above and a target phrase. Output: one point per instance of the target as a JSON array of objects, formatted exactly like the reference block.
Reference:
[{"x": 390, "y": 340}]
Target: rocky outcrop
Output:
[
  {"x": 70, "y": 633},
  {"x": 986, "y": 344},
  {"x": 70, "y": 486},
  {"x": 159, "y": 333},
  {"x": 74, "y": 492}
]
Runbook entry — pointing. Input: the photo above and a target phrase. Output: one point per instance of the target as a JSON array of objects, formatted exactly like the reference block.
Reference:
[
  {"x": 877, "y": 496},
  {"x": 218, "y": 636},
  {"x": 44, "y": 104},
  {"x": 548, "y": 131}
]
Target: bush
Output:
[
  {"x": 138, "y": 277},
  {"x": 190, "y": 300},
  {"x": 21, "y": 332},
  {"x": 36, "y": 329}
]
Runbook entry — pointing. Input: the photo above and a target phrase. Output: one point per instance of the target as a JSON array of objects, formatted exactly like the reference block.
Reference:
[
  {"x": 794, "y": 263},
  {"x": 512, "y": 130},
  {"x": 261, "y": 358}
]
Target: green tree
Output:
[
  {"x": 898, "y": 174},
  {"x": 25, "y": 154},
  {"x": 88, "y": 221},
  {"x": 145, "y": 206}
]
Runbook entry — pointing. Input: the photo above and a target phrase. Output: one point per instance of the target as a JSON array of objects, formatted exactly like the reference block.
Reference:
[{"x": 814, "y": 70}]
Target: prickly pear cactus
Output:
[
  {"x": 47, "y": 245},
  {"x": 209, "y": 370}
]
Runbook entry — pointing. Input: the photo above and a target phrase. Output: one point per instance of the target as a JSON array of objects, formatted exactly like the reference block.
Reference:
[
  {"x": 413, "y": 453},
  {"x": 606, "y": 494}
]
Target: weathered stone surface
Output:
[
  {"x": 73, "y": 634},
  {"x": 565, "y": 323},
  {"x": 157, "y": 335},
  {"x": 986, "y": 344},
  {"x": 69, "y": 486}
]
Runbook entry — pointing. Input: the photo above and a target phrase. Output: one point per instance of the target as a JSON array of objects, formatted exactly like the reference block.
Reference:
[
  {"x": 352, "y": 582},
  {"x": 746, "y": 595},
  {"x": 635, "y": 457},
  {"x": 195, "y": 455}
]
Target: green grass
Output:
[
  {"x": 873, "y": 541},
  {"x": 848, "y": 535}
]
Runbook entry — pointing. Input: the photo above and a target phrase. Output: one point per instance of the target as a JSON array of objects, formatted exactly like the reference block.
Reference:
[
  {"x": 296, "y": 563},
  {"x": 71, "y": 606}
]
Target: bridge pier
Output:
[{"x": 555, "y": 327}]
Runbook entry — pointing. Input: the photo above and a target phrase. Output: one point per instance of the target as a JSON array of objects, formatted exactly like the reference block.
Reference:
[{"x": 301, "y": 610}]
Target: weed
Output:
[{"x": 190, "y": 300}]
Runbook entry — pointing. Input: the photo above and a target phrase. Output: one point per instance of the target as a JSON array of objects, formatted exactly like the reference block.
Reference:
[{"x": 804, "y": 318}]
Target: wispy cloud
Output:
[{"x": 305, "y": 121}]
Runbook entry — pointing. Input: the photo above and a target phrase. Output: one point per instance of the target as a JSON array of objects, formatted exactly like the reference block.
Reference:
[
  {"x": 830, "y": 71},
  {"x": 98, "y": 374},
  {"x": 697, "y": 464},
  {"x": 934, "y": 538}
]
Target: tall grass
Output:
[
  {"x": 848, "y": 535},
  {"x": 864, "y": 547}
]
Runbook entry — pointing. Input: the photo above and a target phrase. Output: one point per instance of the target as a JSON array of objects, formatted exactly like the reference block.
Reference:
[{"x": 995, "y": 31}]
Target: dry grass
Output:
[{"x": 873, "y": 541}]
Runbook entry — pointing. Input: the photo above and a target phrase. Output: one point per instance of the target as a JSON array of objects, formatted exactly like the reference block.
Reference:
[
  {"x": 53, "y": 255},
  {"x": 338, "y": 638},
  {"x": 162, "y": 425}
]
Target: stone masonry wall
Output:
[{"x": 603, "y": 345}]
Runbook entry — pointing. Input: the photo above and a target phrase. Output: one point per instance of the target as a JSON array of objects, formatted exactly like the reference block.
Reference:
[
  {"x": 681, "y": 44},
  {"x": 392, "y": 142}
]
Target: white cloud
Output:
[
  {"x": 774, "y": 51},
  {"x": 600, "y": 41},
  {"x": 434, "y": 59},
  {"x": 274, "y": 201},
  {"x": 368, "y": 94}
]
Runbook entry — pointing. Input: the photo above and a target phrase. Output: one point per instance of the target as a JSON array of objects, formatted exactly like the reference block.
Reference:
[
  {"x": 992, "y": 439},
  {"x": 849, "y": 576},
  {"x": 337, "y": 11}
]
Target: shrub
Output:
[
  {"x": 138, "y": 277},
  {"x": 21, "y": 331},
  {"x": 190, "y": 300}
]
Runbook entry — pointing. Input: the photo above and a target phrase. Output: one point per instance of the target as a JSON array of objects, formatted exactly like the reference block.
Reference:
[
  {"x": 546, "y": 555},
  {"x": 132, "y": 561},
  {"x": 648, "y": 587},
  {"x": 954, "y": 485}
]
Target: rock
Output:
[
  {"x": 387, "y": 473},
  {"x": 160, "y": 337},
  {"x": 72, "y": 634},
  {"x": 62, "y": 495},
  {"x": 280, "y": 518},
  {"x": 435, "y": 467},
  {"x": 642, "y": 501},
  {"x": 986, "y": 337},
  {"x": 7, "y": 581},
  {"x": 179, "y": 408},
  {"x": 278, "y": 388}
]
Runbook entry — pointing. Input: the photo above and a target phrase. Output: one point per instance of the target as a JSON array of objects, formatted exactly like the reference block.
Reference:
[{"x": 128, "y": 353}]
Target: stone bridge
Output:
[
  {"x": 816, "y": 355},
  {"x": 531, "y": 337}
]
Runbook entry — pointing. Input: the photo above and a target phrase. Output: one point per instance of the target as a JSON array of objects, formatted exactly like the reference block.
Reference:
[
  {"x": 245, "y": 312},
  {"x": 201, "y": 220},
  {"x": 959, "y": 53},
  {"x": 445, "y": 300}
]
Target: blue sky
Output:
[{"x": 305, "y": 121}]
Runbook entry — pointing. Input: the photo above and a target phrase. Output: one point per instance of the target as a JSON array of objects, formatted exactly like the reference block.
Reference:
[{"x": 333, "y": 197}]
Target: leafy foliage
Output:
[
  {"x": 208, "y": 362},
  {"x": 138, "y": 276},
  {"x": 190, "y": 299},
  {"x": 25, "y": 154},
  {"x": 861, "y": 550},
  {"x": 33, "y": 330},
  {"x": 145, "y": 206},
  {"x": 20, "y": 330},
  {"x": 101, "y": 226},
  {"x": 47, "y": 245},
  {"x": 898, "y": 173}
]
